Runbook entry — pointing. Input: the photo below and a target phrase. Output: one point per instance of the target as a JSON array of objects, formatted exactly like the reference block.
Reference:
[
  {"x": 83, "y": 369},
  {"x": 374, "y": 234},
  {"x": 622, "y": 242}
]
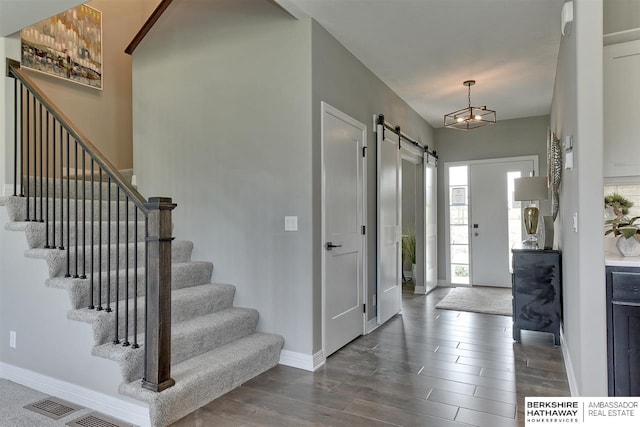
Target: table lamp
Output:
[{"x": 531, "y": 189}]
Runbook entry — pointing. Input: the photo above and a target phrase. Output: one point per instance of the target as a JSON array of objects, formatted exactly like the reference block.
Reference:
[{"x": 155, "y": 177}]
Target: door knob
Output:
[{"x": 330, "y": 246}]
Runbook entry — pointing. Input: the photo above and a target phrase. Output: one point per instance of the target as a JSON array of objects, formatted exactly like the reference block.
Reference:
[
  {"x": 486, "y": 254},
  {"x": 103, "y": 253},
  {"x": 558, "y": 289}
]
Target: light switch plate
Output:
[
  {"x": 290, "y": 223},
  {"x": 568, "y": 160}
]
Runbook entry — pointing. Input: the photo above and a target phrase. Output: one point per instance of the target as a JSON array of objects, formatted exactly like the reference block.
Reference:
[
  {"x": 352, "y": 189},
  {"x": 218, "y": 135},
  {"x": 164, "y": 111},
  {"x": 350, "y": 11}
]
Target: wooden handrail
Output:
[
  {"x": 164, "y": 4},
  {"x": 82, "y": 139}
]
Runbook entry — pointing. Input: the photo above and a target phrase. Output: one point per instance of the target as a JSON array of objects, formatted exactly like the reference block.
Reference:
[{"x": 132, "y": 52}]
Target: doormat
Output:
[{"x": 478, "y": 300}]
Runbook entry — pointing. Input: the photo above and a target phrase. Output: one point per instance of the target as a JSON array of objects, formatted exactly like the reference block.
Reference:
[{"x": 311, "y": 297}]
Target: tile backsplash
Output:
[{"x": 629, "y": 191}]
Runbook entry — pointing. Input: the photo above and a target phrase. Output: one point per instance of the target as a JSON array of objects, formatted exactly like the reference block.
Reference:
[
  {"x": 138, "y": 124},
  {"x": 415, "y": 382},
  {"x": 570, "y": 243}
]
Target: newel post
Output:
[{"x": 157, "y": 371}]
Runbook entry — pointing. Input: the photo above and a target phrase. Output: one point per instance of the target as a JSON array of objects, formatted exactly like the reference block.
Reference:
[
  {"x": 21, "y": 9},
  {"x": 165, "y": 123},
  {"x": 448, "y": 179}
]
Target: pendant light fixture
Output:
[{"x": 470, "y": 117}]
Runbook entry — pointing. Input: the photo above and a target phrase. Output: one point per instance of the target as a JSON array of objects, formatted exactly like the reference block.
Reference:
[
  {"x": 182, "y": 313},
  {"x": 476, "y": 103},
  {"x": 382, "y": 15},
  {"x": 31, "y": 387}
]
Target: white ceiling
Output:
[
  {"x": 17, "y": 14},
  {"x": 425, "y": 49}
]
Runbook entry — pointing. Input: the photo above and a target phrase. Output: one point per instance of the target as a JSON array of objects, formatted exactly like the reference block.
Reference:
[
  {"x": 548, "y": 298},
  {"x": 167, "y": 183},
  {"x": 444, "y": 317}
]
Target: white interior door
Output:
[
  {"x": 343, "y": 139},
  {"x": 389, "y": 293},
  {"x": 431, "y": 223},
  {"x": 490, "y": 202}
]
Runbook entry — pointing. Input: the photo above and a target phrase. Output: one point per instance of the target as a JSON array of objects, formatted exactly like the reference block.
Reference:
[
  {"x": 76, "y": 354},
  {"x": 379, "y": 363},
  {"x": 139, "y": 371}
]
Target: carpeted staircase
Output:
[{"x": 215, "y": 346}]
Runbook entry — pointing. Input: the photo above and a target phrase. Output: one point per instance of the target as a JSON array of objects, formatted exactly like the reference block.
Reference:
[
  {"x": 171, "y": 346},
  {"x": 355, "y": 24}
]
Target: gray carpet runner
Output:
[{"x": 215, "y": 346}]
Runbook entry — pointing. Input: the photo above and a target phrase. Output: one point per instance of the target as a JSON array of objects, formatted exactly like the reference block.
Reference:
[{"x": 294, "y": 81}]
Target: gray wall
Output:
[
  {"x": 341, "y": 80},
  {"x": 507, "y": 138},
  {"x": 46, "y": 341},
  {"x": 222, "y": 124},
  {"x": 621, "y": 15},
  {"x": 577, "y": 110}
]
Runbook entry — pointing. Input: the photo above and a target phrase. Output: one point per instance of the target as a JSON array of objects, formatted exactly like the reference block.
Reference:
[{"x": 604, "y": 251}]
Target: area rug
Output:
[{"x": 479, "y": 300}]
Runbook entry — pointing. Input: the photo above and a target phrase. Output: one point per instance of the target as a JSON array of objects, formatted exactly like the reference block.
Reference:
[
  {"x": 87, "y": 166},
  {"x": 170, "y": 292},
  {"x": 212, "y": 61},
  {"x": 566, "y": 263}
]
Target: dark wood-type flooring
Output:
[{"x": 425, "y": 367}]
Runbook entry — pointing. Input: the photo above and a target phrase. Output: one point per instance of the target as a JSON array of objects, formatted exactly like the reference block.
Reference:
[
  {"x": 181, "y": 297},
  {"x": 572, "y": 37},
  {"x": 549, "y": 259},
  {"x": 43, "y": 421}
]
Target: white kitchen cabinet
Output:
[{"x": 622, "y": 109}]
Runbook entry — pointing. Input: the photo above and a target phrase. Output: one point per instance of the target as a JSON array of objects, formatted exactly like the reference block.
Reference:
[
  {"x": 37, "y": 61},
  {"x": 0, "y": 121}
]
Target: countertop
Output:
[{"x": 616, "y": 260}]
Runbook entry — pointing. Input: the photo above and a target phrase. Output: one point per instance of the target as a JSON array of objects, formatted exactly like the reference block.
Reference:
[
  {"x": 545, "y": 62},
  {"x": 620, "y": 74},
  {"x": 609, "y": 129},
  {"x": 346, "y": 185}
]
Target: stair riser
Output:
[
  {"x": 185, "y": 346},
  {"x": 212, "y": 300},
  {"x": 107, "y": 261},
  {"x": 36, "y": 232},
  {"x": 182, "y": 276},
  {"x": 59, "y": 187},
  {"x": 102, "y": 211}
]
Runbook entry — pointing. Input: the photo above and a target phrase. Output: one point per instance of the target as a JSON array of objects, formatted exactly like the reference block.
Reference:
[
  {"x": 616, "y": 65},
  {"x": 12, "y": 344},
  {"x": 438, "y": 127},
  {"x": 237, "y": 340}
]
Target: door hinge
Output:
[
  {"x": 364, "y": 229},
  {"x": 364, "y": 308},
  {"x": 364, "y": 151}
]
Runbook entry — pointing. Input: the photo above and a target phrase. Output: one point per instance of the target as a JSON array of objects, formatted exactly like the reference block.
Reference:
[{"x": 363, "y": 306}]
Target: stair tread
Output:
[
  {"x": 43, "y": 252},
  {"x": 63, "y": 282},
  {"x": 196, "y": 326},
  {"x": 205, "y": 377},
  {"x": 206, "y": 290}
]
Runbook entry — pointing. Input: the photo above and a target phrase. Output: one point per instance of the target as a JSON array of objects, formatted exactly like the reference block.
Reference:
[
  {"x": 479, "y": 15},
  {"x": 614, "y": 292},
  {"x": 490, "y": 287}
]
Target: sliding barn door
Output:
[{"x": 389, "y": 293}]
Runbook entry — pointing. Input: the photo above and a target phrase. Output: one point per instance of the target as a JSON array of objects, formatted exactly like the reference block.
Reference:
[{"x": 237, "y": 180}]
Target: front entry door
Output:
[
  {"x": 490, "y": 217},
  {"x": 343, "y": 139}
]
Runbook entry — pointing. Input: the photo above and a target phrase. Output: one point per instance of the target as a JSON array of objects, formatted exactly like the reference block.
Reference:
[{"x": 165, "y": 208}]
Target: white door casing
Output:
[
  {"x": 431, "y": 223},
  {"x": 489, "y": 239},
  {"x": 343, "y": 215},
  {"x": 389, "y": 284}
]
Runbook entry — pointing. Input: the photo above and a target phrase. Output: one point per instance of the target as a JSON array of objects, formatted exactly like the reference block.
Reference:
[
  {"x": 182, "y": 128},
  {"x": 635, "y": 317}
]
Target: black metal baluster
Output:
[
  {"x": 126, "y": 280},
  {"x": 135, "y": 278},
  {"x": 93, "y": 221},
  {"x": 108, "y": 244},
  {"x": 40, "y": 133},
  {"x": 116, "y": 339},
  {"x": 68, "y": 208},
  {"x": 35, "y": 162},
  {"x": 77, "y": 254},
  {"x": 22, "y": 136},
  {"x": 146, "y": 289},
  {"x": 53, "y": 199},
  {"x": 99, "y": 238},
  {"x": 84, "y": 214},
  {"x": 28, "y": 179},
  {"x": 61, "y": 247},
  {"x": 15, "y": 137},
  {"x": 47, "y": 162}
]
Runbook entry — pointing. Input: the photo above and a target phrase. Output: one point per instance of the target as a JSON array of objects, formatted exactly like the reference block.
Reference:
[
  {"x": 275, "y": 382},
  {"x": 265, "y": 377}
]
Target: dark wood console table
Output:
[{"x": 537, "y": 292}]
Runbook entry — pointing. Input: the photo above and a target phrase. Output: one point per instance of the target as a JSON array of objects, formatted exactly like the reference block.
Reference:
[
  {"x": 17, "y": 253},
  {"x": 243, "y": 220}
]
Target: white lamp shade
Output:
[{"x": 530, "y": 188}]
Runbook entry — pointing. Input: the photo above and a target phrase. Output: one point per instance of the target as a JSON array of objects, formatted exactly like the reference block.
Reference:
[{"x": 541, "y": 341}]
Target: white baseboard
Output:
[
  {"x": 568, "y": 365},
  {"x": 302, "y": 361},
  {"x": 109, "y": 405},
  {"x": 372, "y": 325},
  {"x": 443, "y": 283},
  {"x": 419, "y": 290}
]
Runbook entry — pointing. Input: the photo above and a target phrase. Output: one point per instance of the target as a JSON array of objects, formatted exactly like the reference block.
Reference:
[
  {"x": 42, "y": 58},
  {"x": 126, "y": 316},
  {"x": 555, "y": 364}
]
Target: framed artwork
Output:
[{"x": 67, "y": 46}]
